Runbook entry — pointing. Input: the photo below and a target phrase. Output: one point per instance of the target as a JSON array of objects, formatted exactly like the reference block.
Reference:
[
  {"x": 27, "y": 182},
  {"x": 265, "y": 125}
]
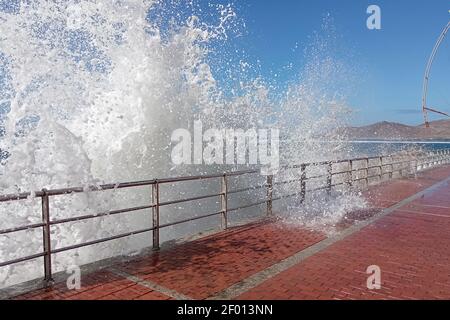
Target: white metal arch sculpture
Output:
[{"x": 425, "y": 107}]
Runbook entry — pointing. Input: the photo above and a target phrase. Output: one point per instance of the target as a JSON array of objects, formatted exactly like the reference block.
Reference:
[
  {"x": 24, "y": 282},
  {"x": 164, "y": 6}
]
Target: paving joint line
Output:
[
  {"x": 258, "y": 278},
  {"x": 150, "y": 284},
  {"x": 433, "y": 206},
  {"x": 424, "y": 213}
]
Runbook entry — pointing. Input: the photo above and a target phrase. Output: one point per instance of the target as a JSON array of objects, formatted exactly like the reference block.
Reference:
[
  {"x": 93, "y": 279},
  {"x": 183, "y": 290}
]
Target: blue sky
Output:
[{"x": 389, "y": 63}]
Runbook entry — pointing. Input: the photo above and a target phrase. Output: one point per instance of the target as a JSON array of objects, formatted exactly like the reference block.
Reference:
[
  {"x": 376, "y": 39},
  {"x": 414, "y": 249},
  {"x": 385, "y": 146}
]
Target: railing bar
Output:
[
  {"x": 310, "y": 190},
  {"x": 248, "y": 205},
  {"x": 320, "y": 163},
  {"x": 202, "y": 177},
  {"x": 287, "y": 181},
  {"x": 340, "y": 172},
  {"x": 28, "y": 227},
  {"x": 64, "y": 191},
  {"x": 373, "y": 167},
  {"x": 359, "y": 169},
  {"x": 286, "y": 196},
  {"x": 191, "y": 219},
  {"x": 398, "y": 162},
  {"x": 19, "y": 196},
  {"x": 238, "y": 173},
  {"x": 104, "y": 187},
  {"x": 373, "y": 176},
  {"x": 189, "y": 178},
  {"x": 338, "y": 184},
  {"x": 318, "y": 188},
  {"x": 109, "y": 213},
  {"x": 316, "y": 176},
  {"x": 189, "y": 199},
  {"x": 19, "y": 260},
  {"x": 89, "y": 243},
  {"x": 128, "y": 234},
  {"x": 246, "y": 189}
]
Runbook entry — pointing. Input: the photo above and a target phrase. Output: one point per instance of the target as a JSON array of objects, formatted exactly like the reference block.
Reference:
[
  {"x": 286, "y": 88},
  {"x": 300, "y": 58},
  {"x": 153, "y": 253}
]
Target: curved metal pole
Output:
[{"x": 425, "y": 109}]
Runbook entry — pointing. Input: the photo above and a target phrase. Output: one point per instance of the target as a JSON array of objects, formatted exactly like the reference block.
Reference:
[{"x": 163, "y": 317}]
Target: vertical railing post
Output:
[
  {"x": 302, "y": 182},
  {"x": 46, "y": 237},
  {"x": 381, "y": 168},
  {"x": 413, "y": 166},
  {"x": 405, "y": 168},
  {"x": 391, "y": 173},
  {"x": 350, "y": 173},
  {"x": 367, "y": 171},
  {"x": 155, "y": 215},
  {"x": 329, "y": 176},
  {"x": 224, "y": 201},
  {"x": 269, "y": 186},
  {"x": 416, "y": 165}
]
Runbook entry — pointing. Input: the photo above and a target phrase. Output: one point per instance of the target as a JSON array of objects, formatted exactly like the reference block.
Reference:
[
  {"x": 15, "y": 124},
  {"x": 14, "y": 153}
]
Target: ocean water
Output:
[
  {"x": 374, "y": 148},
  {"x": 331, "y": 150}
]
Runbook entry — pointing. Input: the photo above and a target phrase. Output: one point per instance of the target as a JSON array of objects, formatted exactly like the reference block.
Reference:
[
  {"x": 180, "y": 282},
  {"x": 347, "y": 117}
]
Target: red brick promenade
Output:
[{"x": 406, "y": 233}]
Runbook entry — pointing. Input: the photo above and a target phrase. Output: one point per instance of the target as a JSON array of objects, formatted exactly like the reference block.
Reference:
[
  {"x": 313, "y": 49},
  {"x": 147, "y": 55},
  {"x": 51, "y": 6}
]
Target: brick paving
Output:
[
  {"x": 411, "y": 246},
  {"x": 410, "y": 243},
  {"x": 97, "y": 285}
]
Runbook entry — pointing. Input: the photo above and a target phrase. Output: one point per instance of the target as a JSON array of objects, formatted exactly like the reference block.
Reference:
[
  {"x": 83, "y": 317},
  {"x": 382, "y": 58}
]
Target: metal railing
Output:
[{"x": 348, "y": 176}]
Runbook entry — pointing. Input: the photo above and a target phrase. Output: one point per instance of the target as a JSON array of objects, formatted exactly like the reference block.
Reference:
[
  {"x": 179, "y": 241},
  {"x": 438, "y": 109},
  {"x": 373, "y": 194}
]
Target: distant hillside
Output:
[{"x": 438, "y": 130}]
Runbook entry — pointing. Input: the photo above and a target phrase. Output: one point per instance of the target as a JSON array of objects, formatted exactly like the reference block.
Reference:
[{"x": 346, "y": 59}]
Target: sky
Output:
[{"x": 389, "y": 63}]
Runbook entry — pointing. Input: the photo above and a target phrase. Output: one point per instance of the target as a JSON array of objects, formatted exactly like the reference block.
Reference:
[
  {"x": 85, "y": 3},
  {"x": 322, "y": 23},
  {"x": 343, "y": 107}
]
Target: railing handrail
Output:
[
  {"x": 129, "y": 184},
  {"x": 432, "y": 157},
  {"x": 121, "y": 185}
]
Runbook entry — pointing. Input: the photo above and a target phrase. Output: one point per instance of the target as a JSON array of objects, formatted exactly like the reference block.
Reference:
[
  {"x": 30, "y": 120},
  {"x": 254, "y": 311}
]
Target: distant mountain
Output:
[{"x": 438, "y": 130}]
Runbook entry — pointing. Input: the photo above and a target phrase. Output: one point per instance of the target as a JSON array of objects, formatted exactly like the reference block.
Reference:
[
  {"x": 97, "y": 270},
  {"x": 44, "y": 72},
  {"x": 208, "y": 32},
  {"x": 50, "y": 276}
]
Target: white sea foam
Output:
[{"x": 94, "y": 90}]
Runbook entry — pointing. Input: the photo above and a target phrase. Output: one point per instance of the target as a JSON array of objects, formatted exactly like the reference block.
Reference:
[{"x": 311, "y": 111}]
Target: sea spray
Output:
[{"x": 91, "y": 93}]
